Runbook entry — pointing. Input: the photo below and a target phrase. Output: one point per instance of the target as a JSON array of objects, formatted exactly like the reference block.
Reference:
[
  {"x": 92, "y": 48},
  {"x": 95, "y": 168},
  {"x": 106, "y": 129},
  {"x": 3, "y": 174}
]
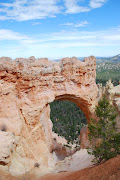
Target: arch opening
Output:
[
  {"x": 80, "y": 101},
  {"x": 68, "y": 120}
]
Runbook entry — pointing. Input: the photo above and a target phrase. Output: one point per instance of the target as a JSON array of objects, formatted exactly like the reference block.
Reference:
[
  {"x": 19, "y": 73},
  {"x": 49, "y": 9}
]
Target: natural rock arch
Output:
[{"x": 27, "y": 86}]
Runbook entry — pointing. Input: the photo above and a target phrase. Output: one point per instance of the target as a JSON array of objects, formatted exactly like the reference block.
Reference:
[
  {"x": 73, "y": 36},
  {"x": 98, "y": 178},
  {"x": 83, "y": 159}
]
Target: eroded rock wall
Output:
[
  {"x": 27, "y": 86},
  {"x": 113, "y": 95}
]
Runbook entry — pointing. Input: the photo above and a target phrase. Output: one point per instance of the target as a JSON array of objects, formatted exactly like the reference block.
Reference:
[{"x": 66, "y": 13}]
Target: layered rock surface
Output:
[
  {"x": 7, "y": 144},
  {"x": 113, "y": 95},
  {"x": 27, "y": 86}
]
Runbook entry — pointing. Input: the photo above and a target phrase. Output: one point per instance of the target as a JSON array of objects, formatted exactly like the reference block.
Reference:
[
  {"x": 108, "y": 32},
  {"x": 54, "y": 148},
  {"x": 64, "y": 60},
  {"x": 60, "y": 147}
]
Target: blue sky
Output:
[{"x": 59, "y": 28}]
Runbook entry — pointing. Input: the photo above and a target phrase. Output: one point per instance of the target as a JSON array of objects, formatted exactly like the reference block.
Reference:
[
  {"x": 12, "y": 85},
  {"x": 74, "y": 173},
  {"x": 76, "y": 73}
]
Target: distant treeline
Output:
[{"x": 106, "y": 71}]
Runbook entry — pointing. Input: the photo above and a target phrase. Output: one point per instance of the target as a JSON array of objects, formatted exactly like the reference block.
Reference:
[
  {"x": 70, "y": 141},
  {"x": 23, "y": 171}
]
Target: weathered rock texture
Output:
[
  {"x": 27, "y": 86},
  {"x": 61, "y": 151},
  {"x": 84, "y": 138},
  {"x": 79, "y": 160},
  {"x": 113, "y": 94},
  {"x": 7, "y": 144}
]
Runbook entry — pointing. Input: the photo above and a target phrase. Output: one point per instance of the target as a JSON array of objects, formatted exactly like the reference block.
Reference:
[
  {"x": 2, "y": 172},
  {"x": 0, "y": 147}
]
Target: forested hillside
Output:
[
  {"x": 106, "y": 71},
  {"x": 67, "y": 119}
]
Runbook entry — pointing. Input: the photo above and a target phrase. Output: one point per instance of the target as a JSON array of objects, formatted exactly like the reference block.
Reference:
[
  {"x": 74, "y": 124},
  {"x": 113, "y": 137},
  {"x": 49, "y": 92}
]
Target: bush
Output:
[
  {"x": 103, "y": 134},
  {"x": 36, "y": 165},
  {"x": 3, "y": 127}
]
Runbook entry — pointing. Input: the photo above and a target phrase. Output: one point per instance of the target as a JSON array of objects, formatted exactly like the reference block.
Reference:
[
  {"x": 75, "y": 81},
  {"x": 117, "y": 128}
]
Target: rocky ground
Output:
[{"x": 109, "y": 170}]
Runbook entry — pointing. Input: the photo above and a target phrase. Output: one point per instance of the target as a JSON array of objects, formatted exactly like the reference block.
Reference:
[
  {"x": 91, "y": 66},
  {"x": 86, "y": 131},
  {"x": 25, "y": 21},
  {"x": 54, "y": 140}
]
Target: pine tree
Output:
[{"x": 103, "y": 135}]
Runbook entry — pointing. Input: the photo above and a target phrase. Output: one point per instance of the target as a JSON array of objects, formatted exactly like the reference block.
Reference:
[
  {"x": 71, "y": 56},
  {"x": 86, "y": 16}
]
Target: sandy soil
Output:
[
  {"x": 80, "y": 160},
  {"x": 109, "y": 170}
]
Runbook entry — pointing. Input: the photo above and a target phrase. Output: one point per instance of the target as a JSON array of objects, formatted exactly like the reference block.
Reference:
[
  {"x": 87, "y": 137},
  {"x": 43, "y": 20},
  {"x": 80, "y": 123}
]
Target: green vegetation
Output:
[
  {"x": 104, "y": 137},
  {"x": 106, "y": 71},
  {"x": 67, "y": 119}
]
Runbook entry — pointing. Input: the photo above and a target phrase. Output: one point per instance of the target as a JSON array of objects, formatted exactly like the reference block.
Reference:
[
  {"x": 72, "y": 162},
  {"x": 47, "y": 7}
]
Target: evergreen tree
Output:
[{"x": 103, "y": 134}]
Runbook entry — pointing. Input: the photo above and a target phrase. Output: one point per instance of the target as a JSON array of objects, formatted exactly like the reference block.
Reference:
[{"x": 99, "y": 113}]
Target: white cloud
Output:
[
  {"x": 59, "y": 38},
  {"x": 72, "y": 44},
  {"x": 73, "y": 7},
  {"x": 78, "y": 24},
  {"x": 82, "y": 23},
  {"x": 113, "y": 37},
  {"x": 35, "y": 23},
  {"x": 106, "y": 37},
  {"x": 65, "y": 43},
  {"x": 22, "y": 10},
  {"x": 6, "y": 34},
  {"x": 97, "y": 3},
  {"x": 54, "y": 44},
  {"x": 68, "y": 24}
]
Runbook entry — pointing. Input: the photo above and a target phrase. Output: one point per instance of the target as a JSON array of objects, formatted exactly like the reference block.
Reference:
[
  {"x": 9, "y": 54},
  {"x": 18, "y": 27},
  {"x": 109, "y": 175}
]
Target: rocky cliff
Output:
[{"x": 27, "y": 86}]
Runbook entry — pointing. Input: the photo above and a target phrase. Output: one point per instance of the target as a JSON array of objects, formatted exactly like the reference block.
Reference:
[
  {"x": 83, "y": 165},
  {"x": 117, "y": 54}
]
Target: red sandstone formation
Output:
[{"x": 27, "y": 86}]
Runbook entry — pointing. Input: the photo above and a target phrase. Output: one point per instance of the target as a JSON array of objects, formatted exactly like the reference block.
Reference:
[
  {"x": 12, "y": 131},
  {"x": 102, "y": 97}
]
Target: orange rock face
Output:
[{"x": 27, "y": 86}]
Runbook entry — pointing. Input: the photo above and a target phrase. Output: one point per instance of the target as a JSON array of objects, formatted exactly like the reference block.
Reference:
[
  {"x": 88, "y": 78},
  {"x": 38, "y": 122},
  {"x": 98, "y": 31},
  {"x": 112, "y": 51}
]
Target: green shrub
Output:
[{"x": 103, "y": 136}]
